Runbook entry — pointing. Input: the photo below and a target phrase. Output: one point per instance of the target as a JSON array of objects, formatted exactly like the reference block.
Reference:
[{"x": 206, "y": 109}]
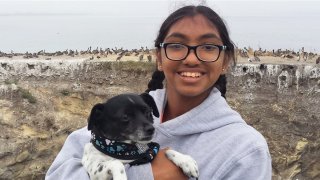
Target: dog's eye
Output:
[
  {"x": 125, "y": 118},
  {"x": 148, "y": 113}
]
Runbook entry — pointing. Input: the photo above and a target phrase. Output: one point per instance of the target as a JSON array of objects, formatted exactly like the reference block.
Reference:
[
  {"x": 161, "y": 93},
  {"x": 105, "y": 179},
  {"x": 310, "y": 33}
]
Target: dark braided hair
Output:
[
  {"x": 156, "y": 81},
  {"x": 190, "y": 11}
]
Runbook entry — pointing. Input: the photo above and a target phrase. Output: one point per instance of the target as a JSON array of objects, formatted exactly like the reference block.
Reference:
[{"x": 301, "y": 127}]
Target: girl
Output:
[{"x": 193, "y": 53}]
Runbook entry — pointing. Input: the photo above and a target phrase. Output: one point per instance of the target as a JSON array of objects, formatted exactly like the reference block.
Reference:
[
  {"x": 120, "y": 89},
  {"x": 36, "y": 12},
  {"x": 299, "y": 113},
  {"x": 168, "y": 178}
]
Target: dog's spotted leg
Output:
[
  {"x": 99, "y": 167},
  {"x": 108, "y": 170},
  {"x": 186, "y": 163},
  {"x": 116, "y": 169}
]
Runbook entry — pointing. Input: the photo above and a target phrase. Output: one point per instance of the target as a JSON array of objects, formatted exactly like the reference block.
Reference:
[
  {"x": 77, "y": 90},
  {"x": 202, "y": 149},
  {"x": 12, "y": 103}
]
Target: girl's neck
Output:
[{"x": 178, "y": 105}]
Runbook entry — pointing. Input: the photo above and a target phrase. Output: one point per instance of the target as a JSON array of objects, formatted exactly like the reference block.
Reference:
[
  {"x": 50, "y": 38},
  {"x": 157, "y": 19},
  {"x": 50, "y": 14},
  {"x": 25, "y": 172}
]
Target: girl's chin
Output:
[{"x": 194, "y": 92}]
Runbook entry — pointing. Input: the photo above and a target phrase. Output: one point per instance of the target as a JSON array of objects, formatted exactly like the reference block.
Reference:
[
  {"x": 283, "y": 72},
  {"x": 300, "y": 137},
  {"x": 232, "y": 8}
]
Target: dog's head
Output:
[{"x": 124, "y": 117}]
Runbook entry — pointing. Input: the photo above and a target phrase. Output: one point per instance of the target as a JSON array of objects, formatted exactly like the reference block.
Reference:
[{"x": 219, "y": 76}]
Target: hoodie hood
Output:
[{"x": 211, "y": 114}]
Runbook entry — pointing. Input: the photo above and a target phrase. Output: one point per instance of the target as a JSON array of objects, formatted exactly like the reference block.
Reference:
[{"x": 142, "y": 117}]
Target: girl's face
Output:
[{"x": 191, "y": 77}]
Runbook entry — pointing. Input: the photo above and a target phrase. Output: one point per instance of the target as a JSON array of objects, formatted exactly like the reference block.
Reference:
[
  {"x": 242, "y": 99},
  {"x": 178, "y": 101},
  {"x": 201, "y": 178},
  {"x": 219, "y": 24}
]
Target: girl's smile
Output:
[{"x": 191, "y": 76}]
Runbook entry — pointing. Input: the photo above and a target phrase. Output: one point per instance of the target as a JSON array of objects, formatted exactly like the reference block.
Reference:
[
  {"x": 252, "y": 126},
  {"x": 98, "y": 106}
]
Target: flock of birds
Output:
[
  {"x": 145, "y": 53},
  {"x": 301, "y": 55},
  {"x": 93, "y": 53}
]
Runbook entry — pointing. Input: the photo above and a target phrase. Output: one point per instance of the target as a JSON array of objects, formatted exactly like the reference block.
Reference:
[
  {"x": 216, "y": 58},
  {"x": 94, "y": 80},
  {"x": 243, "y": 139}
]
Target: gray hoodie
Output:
[{"x": 216, "y": 136}]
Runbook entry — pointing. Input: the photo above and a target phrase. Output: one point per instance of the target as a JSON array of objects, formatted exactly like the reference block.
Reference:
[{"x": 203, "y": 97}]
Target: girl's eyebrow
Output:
[
  {"x": 177, "y": 35},
  {"x": 209, "y": 36},
  {"x": 202, "y": 37}
]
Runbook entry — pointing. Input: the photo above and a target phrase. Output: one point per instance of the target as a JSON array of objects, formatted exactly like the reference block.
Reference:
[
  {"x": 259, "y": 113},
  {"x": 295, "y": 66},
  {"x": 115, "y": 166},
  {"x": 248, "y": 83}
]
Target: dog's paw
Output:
[
  {"x": 186, "y": 163},
  {"x": 107, "y": 170},
  {"x": 115, "y": 170}
]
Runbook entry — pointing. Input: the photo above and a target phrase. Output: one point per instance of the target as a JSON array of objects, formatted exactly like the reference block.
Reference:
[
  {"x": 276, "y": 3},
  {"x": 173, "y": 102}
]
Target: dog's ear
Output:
[
  {"x": 150, "y": 101},
  {"x": 95, "y": 115}
]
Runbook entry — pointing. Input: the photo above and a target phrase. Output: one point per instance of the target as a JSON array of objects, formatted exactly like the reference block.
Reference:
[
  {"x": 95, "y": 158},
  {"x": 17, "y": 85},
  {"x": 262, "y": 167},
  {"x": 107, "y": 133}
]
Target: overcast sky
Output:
[
  {"x": 285, "y": 14},
  {"x": 146, "y": 7}
]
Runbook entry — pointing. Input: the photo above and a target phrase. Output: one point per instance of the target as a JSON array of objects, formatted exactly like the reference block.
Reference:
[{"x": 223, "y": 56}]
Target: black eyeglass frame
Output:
[{"x": 194, "y": 48}]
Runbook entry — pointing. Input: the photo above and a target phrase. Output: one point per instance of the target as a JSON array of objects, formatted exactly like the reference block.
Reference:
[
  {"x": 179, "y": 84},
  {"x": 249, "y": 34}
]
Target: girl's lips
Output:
[
  {"x": 190, "y": 74},
  {"x": 190, "y": 77}
]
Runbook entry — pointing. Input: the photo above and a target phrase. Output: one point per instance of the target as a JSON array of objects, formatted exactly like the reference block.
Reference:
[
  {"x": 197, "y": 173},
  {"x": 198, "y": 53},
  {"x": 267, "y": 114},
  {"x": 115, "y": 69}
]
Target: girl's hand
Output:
[{"x": 164, "y": 169}]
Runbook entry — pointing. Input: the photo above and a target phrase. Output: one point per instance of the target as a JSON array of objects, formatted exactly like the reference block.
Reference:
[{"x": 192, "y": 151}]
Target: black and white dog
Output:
[{"x": 122, "y": 129}]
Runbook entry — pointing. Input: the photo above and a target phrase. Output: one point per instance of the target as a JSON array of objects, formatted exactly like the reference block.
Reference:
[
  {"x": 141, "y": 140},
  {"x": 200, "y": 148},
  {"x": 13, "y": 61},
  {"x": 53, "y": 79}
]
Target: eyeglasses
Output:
[{"x": 204, "y": 52}]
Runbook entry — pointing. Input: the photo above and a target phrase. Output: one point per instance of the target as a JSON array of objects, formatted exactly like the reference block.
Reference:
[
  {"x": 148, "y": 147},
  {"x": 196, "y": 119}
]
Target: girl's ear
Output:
[
  {"x": 225, "y": 64},
  {"x": 225, "y": 68},
  {"x": 159, "y": 60}
]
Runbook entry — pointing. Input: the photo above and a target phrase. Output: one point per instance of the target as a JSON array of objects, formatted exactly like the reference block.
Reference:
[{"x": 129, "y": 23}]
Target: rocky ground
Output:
[{"x": 42, "y": 101}]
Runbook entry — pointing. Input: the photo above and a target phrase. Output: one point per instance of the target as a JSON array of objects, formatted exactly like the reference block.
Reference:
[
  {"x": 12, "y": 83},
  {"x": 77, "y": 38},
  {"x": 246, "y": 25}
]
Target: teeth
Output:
[{"x": 190, "y": 74}]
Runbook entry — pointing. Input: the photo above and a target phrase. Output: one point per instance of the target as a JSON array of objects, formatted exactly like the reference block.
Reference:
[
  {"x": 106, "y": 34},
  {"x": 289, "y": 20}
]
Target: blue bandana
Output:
[{"x": 140, "y": 153}]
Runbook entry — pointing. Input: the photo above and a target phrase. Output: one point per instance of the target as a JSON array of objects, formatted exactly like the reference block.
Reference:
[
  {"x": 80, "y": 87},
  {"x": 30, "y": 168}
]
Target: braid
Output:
[
  {"x": 221, "y": 85},
  {"x": 156, "y": 81}
]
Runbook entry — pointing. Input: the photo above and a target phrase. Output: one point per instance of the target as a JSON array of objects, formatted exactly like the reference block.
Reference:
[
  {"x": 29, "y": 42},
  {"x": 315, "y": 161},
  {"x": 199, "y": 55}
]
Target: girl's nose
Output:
[{"x": 191, "y": 58}]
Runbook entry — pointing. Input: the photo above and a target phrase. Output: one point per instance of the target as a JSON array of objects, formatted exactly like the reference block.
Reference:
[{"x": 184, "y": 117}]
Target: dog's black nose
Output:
[{"x": 150, "y": 130}]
